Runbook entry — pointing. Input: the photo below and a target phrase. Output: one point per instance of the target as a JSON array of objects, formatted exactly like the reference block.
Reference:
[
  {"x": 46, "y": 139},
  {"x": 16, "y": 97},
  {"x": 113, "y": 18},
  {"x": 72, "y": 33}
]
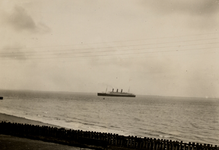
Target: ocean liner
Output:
[{"x": 116, "y": 94}]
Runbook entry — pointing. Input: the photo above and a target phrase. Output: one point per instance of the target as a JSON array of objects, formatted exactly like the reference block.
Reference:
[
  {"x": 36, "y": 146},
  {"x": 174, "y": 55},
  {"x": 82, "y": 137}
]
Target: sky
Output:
[{"x": 159, "y": 47}]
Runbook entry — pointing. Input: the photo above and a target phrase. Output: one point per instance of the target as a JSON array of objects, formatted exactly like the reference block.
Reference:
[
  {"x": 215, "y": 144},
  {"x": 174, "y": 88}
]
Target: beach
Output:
[
  {"x": 8, "y": 142},
  {"x": 14, "y": 119}
]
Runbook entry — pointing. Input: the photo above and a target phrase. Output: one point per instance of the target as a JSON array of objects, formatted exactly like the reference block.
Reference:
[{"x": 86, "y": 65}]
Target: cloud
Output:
[
  {"x": 196, "y": 14},
  {"x": 20, "y": 20},
  {"x": 195, "y": 7}
]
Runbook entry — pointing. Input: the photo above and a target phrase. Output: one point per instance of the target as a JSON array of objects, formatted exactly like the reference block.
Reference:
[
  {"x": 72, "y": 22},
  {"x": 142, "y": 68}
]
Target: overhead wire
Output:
[
  {"x": 120, "y": 54},
  {"x": 103, "y": 51},
  {"x": 119, "y": 46},
  {"x": 113, "y": 50},
  {"x": 121, "y": 41}
]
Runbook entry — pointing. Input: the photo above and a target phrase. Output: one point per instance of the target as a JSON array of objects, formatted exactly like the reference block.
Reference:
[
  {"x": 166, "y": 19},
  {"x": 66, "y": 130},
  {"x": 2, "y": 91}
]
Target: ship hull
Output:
[{"x": 116, "y": 95}]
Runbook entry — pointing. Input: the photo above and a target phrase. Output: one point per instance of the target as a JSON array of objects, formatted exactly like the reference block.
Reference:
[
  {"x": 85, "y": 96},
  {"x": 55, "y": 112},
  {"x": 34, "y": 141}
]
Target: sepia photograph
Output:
[{"x": 109, "y": 74}]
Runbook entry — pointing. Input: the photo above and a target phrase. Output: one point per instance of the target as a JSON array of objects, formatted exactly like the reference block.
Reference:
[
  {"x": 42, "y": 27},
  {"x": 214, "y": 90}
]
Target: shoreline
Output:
[
  {"x": 13, "y": 142},
  {"x": 15, "y": 119}
]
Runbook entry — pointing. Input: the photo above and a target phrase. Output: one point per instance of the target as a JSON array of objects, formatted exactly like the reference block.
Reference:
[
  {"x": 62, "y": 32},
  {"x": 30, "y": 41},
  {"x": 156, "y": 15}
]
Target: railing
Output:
[{"x": 96, "y": 140}]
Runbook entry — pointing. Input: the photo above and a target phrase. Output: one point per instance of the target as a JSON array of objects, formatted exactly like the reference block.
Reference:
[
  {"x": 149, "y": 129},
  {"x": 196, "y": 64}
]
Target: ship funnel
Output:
[
  {"x": 112, "y": 90},
  {"x": 121, "y": 90},
  {"x": 117, "y": 90}
]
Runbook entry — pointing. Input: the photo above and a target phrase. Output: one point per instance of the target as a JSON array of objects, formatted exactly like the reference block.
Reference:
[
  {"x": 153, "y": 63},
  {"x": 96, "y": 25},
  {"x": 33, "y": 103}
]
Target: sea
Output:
[{"x": 173, "y": 118}]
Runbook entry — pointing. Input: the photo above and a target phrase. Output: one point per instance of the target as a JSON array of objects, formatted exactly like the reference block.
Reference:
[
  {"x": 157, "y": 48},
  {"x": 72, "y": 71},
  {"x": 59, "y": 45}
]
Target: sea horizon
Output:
[{"x": 94, "y": 93}]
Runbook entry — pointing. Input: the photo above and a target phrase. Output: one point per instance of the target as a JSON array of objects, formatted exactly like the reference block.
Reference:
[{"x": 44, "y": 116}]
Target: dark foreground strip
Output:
[{"x": 96, "y": 140}]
